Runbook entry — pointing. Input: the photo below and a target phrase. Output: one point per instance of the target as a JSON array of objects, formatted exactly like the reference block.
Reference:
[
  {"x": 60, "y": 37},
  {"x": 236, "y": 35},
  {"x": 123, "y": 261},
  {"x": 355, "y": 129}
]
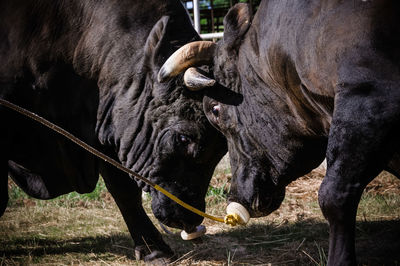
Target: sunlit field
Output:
[{"x": 88, "y": 229}]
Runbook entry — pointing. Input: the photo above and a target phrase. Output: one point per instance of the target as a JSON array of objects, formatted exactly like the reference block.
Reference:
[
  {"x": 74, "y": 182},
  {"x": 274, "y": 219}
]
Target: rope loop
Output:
[{"x": 232, "y": 219}]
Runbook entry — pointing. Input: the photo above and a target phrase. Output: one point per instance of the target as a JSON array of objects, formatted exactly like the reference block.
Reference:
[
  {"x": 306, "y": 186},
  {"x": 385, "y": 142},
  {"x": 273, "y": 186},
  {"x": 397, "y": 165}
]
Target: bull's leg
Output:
[
  {"x": 128, "y": 197},
  {"x": 362, "y": 140},
  {"x": 3, "y": 185}
]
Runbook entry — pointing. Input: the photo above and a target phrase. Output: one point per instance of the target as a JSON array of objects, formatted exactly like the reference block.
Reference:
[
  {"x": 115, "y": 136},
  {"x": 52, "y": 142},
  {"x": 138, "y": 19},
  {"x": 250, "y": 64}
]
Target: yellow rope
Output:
[
  {"x": 232, "y": 219},
  {"x": 187, "y": 206}
]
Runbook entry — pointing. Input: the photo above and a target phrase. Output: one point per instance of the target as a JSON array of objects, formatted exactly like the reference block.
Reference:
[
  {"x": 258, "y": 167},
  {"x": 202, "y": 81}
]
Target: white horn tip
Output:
[
  {"x": 200, "y": 230},
  {"x": 195, "y": 80},
  {"x": 162, "y": 75}
]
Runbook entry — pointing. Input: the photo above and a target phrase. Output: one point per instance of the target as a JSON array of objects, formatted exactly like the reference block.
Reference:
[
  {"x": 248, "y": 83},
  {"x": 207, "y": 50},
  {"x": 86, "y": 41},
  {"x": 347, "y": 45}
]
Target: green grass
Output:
[
  {"x": 378, "y": 206},
  {"x": 17, "y": 197},
  {"x": 220, "y": 192}
]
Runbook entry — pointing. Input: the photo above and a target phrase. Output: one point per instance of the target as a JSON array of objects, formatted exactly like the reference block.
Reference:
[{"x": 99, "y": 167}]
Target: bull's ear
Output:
[
  {"x": 236, "y": 24},
  {"x": 155, "y": 41}
]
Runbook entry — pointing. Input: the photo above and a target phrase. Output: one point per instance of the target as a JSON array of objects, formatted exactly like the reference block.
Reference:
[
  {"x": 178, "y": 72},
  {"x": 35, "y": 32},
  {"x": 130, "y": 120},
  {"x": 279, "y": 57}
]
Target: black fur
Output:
[
  {"x": 317, "y": 78},
  {"x": 90, "y": 67}
]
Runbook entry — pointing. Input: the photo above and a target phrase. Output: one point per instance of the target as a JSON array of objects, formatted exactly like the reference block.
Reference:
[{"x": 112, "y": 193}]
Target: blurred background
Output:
[{"x": 208, "y": 15}]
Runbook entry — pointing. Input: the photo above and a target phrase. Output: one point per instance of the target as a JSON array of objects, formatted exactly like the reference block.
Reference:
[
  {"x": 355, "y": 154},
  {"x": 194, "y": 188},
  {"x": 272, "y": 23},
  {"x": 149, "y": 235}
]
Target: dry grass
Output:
[
  {"x": 92, "y": 232},
  {"x": 297, "y": 233}
]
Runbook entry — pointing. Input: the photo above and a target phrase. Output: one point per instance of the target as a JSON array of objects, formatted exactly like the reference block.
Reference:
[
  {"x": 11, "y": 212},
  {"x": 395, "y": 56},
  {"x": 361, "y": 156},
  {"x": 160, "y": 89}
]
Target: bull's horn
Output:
[
  {"x": 195, "y": 80},
  {"x": 192, "y": 54}
]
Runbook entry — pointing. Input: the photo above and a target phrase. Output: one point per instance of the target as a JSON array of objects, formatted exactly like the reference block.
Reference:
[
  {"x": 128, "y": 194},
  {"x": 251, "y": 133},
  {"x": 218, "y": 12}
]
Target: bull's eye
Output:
[
  {"x": 215, "y": 110},
  {"x": 183, "y": 139}
]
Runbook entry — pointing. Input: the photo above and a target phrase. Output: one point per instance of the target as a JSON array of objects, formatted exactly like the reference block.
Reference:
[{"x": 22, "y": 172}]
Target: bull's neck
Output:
[
  {"x": 114, "y": 53},
  {"x": 115, "y": 32},
  {"x": 295, "y": 120},
  {"x": 268, "y": 70}
]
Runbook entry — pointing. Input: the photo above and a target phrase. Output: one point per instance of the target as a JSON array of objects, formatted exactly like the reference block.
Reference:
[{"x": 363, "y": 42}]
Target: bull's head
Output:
[
  {"x": 159, "y": 129},
  {"x": 266, "y": 150},
  {"x": 187, "y": 148}
]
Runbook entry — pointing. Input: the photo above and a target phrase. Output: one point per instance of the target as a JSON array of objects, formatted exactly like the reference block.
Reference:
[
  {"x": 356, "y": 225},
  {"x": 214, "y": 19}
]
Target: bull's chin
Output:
[
  {"x": 260, "y": 209},
  {"x": 266, "y": 208},
  {"x": 258, "y": 213},
  {"x": 178, "y": 225},
  {"x": 189, "y": 228}
]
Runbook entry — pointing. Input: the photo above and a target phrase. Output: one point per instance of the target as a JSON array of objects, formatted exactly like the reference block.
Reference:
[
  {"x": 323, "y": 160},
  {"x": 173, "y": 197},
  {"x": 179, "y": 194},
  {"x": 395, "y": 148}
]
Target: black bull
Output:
[
  {"x": 90, "y": 67},
  {"x": 308, "y": 80}
]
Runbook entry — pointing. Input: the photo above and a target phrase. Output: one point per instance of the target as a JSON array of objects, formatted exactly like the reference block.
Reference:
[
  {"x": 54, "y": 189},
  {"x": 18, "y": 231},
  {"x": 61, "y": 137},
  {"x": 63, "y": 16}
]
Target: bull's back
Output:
[{"x": 332, "y": 42}]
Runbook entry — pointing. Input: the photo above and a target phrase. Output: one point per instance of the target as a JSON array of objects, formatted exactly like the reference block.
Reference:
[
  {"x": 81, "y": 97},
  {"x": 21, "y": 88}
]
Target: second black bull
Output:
[{"x": 308, "y": 80}]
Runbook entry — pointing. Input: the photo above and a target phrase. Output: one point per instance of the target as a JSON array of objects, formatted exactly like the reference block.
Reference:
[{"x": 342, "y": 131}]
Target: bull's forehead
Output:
[
  {"x": 178, "y": 105},
  {"x": 226, "y": 68}
]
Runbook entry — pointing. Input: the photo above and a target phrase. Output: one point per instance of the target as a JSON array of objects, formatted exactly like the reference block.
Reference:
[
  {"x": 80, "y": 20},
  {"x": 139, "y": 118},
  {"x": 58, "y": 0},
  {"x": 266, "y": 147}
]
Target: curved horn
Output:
[
  {"x": 195, "y": 80},
  {"x": 192, "y": 54}
]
